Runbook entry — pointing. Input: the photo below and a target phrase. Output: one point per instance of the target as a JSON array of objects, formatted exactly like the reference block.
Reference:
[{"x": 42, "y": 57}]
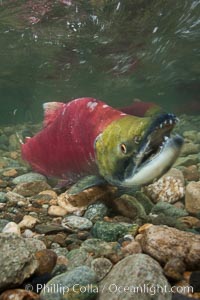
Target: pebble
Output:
[
  {"x": 78, "y": 257},
  {"x": 189, "y": 148},
  {"x": 81, "y": 201},
  {"x": 57, "y": 211},
  {"x": 3, "y": 223},
  {"x": 28, "y": 189},
  {"x": 50, "y": 193},
  {"x": 75, "y": 223},
  {"x": 29, "y": 177},
  {"x": 14, "y": 198},
  {"x": 10, "y": 173},
  {"x": 48, "y": 228},
  {"x": 190, "y": 222},
  {"x": 79, "y": 279},
  {"x": 168, "y": 210},
  {"x": 174, "y": 268},
  {"x": 14, "y": 155},
  {"x": 192, "y": 197},
  {"x": 96, "y": 211},
  {"x": 132, "y": 247},
  {"x": 128, "y": 206},
  {"x": 167, "y": 189},
  {"x": 190, "y": 135},
  {"x": 186, "y": 161},
  {"x": 164, "y": 243},
  {"x": 144, "y": 201},
  {"x": 46, "y": 261},
  {"x": 110, "y": 232},
  {"x": 132, "y": 272},
  {"x": 60, "y": 251},
  {"x": 19, "y": 294},
  {"x": 28, "y": 233},
  {"x": 12, "y": 227},
  {"x": 59, "y": 238},
  {"x": 28, "y": 222},
  {"x": 101, "y": 248},
  {"x": 191, "y": 173},
  {"x": 3, "y": 197},
  {"x": 101, "y": 266},
  {"x": 61, "y": 260}
]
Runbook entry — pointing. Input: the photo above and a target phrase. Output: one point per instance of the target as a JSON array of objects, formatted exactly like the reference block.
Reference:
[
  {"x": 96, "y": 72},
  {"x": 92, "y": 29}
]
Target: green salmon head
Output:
[{"x": 134, "y": 151}]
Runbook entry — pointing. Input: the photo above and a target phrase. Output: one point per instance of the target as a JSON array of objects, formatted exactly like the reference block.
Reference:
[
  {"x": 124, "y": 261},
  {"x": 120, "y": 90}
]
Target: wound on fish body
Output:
[{"x": 86, "y": 137}]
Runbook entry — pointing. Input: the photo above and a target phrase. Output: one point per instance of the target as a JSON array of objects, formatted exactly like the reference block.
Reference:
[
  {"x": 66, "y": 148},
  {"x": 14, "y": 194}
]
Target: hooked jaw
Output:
[{"x": 156, "y": 154}]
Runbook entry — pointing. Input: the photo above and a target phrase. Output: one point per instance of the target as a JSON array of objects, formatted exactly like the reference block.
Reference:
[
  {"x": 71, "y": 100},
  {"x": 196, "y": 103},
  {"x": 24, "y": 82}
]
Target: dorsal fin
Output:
[{"x": 51, "y": 110}]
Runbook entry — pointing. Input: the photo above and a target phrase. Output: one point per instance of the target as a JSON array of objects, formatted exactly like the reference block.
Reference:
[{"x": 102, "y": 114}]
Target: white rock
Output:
[
  {"x": 12, "y": 227},
  {"x": 28, "y": 222},
  {"x": 57, "y": 211},
  {"x": 28, "y": 233}
]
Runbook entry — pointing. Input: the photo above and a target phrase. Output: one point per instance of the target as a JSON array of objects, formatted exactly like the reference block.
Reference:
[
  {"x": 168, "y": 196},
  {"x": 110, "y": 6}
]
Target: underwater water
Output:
[
  {"x": 115, "y": 51},
  {"x": 131, "y": 229}
]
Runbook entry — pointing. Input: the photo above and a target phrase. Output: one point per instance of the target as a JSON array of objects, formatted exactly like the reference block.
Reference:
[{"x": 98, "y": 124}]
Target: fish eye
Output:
[{"x": 123, "y": 148}]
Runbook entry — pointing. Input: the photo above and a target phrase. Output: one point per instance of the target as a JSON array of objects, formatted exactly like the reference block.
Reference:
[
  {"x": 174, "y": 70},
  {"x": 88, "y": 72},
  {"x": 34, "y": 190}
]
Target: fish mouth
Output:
[{"x": 157, "y": 152}]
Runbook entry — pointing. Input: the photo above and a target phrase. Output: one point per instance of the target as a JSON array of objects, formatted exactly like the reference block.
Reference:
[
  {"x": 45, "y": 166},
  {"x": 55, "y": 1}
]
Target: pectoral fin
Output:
[{"x": 85, "y": 183}]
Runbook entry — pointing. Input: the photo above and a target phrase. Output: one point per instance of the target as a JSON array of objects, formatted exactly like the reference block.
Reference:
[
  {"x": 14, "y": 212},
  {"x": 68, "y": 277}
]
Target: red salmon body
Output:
[{"x": 65, "y": 148}]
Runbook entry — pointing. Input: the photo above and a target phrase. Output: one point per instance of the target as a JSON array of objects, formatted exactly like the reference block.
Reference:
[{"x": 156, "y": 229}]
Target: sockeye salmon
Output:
[{"x": 88, "y": 137}]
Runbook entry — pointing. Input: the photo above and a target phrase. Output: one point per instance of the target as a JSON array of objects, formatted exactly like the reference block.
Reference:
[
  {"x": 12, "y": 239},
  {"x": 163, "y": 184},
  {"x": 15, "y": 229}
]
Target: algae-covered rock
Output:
[
  {"x": 168, "y": 210},
  {"x": 110, "y": 232},
  {"x": 129, "y": 206}
]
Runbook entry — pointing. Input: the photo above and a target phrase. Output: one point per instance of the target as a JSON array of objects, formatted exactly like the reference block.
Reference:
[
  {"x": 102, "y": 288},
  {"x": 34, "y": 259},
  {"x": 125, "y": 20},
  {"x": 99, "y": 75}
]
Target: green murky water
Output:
[{"x": 111, "y": 50}]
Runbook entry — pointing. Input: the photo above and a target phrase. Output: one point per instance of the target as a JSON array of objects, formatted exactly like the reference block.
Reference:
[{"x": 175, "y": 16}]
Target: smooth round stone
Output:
[
  {"x": 14, "y": 198},
  {"x": 28, "y": 189},
  {"x": 48, "y": 229},
  {"x": 96, "y": 211},
  {"x": 28, "y": 233},
  {"x": 56, "y": 211},
  {"x": 192, "y": 197},
  {"x": 99, "y": 247},
  {"x": 137, "y": 271},
  {"x": 47, "y": 261},
  {"x": 29, "y": 177},
  {"x": 128, "y": 206},
  {"x": 3, "y": 223},
  {"x": 75, "y": 223},
  {"x": 3, "y": 197},
  {"x": 78, "y": 257},
  {"x": 79, "y": 284},
  {"x": 60, "y": 251},
  {"x": 12, "y": 227},
  {"x": 101, "y": 267}
]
